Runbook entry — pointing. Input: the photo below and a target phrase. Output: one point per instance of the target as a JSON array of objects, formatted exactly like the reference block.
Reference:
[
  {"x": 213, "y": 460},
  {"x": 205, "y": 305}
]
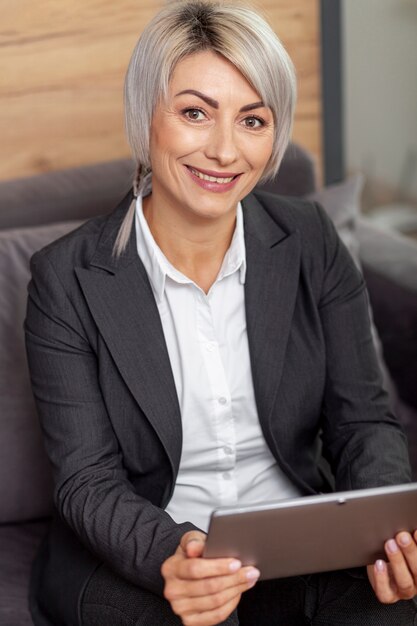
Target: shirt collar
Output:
[{"x": 157, "y": 265}]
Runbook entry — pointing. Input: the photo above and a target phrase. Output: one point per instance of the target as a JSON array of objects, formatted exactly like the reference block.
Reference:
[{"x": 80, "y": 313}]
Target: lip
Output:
[{"x": 209, "y": 185}]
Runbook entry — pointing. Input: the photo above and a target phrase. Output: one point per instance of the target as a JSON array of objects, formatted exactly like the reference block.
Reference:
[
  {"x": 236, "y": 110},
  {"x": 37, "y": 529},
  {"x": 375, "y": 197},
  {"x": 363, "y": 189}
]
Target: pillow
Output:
[
  {"x": 25, "y": 481},
  {"x": 341, "y": 202}
]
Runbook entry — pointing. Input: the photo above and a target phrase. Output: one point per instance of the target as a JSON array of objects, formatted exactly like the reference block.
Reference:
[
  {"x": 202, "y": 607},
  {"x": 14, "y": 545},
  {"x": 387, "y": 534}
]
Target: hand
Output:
[
  {"x": 397, "y": 579},
  {"x": 204, "y": 592}
]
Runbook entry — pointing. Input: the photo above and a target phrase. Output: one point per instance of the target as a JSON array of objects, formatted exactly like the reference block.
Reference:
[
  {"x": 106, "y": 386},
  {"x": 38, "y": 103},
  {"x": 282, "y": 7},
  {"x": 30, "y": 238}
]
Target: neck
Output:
[{"x": 196, "y": 247}]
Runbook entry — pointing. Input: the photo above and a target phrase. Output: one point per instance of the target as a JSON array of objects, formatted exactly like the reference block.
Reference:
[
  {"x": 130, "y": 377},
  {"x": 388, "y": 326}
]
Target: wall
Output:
[
  {"x": 380, "y": 70},
  {"x": 61, "y": 74}
]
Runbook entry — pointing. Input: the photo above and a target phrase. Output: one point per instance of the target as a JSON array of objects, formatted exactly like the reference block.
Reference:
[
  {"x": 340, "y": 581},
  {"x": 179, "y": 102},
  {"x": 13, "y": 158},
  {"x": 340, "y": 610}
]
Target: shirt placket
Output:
[{"x": 223, "y": 426}]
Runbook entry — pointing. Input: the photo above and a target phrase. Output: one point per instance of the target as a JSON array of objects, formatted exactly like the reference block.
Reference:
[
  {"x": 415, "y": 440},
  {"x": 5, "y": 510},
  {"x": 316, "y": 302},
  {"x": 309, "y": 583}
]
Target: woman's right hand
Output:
[{"x": 204, "y": 592}]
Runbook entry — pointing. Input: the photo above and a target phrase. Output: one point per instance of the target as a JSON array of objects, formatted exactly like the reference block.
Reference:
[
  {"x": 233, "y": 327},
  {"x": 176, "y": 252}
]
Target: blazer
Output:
[{"x": 107, "y": 402}]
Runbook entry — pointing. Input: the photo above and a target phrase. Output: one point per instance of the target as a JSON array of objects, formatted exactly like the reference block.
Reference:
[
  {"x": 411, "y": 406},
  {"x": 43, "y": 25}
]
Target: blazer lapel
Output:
[
  {"x": 273, "y": 265},
  {"x": 122, "y": 304}
]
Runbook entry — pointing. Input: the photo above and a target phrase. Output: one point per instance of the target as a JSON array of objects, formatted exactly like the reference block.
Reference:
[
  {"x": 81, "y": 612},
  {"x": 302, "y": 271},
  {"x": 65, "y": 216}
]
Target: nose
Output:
[{"x": 221, "y": 145}]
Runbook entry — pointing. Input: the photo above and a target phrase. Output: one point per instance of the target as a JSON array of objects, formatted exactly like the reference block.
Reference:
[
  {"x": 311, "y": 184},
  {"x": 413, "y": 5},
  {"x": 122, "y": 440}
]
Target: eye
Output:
[
  {"x": 194, "y": 115},
  {"x": 253, "y": 122}
]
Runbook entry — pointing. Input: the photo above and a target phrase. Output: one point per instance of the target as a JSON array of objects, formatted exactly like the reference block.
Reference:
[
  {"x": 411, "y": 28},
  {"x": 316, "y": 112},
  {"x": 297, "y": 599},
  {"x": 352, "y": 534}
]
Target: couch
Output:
[{"x": 36, "y": 210}]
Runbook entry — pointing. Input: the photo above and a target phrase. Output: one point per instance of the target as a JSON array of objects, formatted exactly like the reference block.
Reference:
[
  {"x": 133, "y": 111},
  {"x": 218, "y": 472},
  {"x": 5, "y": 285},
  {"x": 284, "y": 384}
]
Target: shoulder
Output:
[
  {"x": 292, "y": 214},
  {"x": 78, "y": 247}
]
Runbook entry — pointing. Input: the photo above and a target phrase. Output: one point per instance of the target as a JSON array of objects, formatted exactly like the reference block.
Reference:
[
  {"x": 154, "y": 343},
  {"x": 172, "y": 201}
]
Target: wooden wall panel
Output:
[{"x": 62, "y": 66}]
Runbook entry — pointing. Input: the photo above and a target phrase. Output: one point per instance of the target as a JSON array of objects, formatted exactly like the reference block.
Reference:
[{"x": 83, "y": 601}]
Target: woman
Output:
[{"x": 190, "y": 350}]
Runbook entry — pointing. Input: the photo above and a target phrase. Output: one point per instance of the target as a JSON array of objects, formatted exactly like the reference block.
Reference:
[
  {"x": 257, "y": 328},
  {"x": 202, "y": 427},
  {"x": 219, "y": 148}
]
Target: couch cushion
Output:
[
  {"x": 18, "y": 545},
  {"x": 72, "y": 194},
  {"x": 25, "y": 484}
]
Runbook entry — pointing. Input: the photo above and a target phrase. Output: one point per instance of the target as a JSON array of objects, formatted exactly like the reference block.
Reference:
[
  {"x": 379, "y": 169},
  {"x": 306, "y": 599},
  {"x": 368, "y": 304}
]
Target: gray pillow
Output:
[
  {"x": 342, "y": 204},
  {"x": 25, "y": 482}
]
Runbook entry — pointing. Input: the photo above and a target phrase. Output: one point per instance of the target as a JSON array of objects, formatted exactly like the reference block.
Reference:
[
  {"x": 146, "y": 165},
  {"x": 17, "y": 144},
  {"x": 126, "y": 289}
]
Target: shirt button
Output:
[
  {"x": 226, "y": 476},
  {"x": 228, "y": 450},
  {"x": 210, "y": 346},
  {"x": 222, "y": 400}
]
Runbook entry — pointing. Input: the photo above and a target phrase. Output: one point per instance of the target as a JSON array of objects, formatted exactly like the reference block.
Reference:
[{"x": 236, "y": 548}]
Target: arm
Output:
[
  {"x": 92, "y": 489},
  {"x": 361, "y": 438}
]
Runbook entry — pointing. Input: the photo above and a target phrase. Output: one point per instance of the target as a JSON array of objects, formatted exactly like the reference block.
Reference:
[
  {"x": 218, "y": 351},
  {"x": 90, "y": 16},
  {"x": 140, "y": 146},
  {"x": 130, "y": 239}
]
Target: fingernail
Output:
[
  {"x": 404, "y": 539},
  {"x": 392, "y": 546},
  {"x": 234, "y": 566},
  {"x": 253, "y": 574},
  {"x": 380, "y": 566}
]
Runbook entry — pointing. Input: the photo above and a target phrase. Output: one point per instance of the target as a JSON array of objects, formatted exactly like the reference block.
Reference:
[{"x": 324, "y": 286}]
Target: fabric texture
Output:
[
  {"x": 111, "y": 601},
  {"x": 18, "y": 545},
  {"x": 25, "y": 479}
]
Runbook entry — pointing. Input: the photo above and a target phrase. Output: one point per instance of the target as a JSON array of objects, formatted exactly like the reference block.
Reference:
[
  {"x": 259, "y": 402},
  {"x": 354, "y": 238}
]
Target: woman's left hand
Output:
[{"x": 397, "y": 579}]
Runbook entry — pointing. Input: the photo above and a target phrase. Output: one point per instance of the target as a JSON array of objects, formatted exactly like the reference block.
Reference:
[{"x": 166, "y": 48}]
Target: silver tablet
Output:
[{"x": 313, "y": 533}]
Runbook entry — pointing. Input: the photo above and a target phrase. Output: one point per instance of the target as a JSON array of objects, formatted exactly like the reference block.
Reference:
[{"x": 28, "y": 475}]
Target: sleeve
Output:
[
  {"x": 92, "y": 491},
  {"x": 362, "y": 439}
]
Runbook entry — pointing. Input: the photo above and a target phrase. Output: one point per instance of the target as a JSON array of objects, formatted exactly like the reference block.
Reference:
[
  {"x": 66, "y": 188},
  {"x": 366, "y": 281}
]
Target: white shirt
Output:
[{"x": 225, "y": 459}]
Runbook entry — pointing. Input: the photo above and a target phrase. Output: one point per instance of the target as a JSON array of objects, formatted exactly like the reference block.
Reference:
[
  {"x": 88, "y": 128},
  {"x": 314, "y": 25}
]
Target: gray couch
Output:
[{"x": 37, "y": 210}]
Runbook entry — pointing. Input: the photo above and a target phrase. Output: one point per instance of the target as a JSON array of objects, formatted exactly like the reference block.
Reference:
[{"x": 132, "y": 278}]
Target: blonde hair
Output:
[{"x": 235, "y": 31}]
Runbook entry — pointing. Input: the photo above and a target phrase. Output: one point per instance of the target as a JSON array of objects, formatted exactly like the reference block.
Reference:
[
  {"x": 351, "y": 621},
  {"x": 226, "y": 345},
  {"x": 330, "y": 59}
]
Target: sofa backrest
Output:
[{"x": 25, "y": 481}]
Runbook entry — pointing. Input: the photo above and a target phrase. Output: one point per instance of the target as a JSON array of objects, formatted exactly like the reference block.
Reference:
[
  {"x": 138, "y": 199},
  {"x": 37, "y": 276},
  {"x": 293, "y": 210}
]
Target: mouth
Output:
[{"x": 213, "y": 181}]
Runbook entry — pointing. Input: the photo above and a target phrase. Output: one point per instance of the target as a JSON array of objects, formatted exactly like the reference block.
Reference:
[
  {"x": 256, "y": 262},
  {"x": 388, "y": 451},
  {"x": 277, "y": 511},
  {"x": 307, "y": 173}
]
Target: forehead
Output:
[{"x": 213, "y": 75}]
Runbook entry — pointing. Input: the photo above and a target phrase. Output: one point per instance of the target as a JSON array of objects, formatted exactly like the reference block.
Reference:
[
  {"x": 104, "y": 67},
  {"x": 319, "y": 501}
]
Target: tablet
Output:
[{"x": 313, "y": 533}]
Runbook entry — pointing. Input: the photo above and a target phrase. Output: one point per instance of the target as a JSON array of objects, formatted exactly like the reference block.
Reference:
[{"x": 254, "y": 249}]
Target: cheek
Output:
[
  {"x": 174, "y": 139},
  {"x": 260, "y": 153}
]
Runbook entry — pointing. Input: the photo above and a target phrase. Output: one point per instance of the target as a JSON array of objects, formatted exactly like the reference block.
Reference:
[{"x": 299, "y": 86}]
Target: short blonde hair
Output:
[{"x": 235, "y": 31}]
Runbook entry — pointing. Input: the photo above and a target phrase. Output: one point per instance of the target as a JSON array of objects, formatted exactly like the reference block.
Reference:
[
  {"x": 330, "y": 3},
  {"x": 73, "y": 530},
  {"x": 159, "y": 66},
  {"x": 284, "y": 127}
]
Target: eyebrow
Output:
[{"x": 213, "y": 103}]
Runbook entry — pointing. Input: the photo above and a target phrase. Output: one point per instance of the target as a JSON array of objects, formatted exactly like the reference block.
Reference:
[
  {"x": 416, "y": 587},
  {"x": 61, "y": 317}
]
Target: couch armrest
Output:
[{"x": 389, "y": 263}]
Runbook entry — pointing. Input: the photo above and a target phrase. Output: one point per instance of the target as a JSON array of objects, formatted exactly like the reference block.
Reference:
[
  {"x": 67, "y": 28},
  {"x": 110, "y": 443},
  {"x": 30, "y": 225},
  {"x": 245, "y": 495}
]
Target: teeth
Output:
[{"x": 212, "y": 179}]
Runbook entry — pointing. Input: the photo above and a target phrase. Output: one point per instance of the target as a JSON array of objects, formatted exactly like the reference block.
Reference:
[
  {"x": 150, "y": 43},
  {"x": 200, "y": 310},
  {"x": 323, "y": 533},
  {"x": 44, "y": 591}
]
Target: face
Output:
[{"x": 210, "y": 140}]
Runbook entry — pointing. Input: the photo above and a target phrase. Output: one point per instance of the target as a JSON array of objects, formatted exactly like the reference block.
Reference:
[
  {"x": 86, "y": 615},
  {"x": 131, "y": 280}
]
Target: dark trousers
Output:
[{"x": 329, "y": 599}]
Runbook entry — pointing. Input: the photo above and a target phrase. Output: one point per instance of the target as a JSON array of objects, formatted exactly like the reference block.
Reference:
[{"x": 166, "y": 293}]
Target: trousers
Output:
[{"x": 329, "y": 599}]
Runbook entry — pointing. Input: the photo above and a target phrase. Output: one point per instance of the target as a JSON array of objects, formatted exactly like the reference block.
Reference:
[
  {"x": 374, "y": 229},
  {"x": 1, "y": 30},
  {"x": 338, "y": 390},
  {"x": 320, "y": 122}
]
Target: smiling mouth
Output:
[{"x": 222, "y": 180}]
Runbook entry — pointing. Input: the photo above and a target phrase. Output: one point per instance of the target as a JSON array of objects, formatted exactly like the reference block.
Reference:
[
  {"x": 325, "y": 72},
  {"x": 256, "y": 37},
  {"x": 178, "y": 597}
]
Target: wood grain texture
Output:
[{"x": 62, "y": 66}]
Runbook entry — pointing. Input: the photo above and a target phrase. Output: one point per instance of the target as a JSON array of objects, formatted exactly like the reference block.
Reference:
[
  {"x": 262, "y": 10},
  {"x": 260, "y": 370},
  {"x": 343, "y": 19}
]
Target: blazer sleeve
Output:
[
  {"x": 362, "y": 439},
  {"x": 92, "y": 490}
]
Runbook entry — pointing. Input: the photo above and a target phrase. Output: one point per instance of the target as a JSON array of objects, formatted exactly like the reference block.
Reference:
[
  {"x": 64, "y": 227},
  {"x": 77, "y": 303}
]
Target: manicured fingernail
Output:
[
  {"x": 253, "y": 574},
  {"x": 404, "y": 539},
  {"x": 235, "y": 565},
  {"x": 392, "y": 546},
  {"x": 380, "y": 566}
]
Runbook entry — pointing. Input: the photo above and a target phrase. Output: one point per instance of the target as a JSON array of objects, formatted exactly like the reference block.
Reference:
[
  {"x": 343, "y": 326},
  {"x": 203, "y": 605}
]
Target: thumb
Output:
[{"x": 192, "y": 543}]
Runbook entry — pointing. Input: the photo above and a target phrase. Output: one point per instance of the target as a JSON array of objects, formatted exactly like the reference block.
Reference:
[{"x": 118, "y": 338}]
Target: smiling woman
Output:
[{"x": 198, "y": 347}]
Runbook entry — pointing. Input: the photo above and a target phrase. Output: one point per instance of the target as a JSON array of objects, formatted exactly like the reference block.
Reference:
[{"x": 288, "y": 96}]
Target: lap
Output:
[
  {"x": 329, "y": 599},
  {"x": 110, "y": 600}
]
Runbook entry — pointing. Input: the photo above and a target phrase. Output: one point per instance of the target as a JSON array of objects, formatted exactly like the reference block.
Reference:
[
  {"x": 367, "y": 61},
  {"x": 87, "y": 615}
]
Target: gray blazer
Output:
[{"x": 108, "y": 406}]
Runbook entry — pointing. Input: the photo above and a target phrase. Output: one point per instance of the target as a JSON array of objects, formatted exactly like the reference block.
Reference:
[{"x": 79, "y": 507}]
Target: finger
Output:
[
  {"x": 201, "y": 604},
  {"x": 210, "y": 618},
  {"x": 409, "y": 549},
  {"x": 176, "y": 589},
  {"x": 380, "y": 580},
  {"x": 400, "y": 572},
  {"x": 192, "y": 543},
  {"x": 194, "y": 569}
]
